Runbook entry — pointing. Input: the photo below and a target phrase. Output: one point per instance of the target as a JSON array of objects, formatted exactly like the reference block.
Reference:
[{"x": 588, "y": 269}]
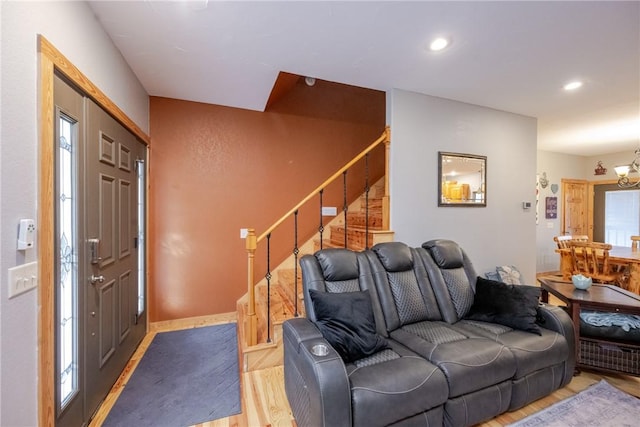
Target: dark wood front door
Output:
[{"x": 100, "y": 316}]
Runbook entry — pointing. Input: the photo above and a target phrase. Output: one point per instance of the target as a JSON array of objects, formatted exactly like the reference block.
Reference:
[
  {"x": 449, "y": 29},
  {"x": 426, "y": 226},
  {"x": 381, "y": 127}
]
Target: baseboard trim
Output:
[{"x": 193, "y": 322}]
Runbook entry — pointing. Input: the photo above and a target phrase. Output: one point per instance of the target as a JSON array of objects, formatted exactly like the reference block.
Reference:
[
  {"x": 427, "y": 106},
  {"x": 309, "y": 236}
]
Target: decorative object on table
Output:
[
  {"x": 599, "y": 405},
  {"x": 600, "y": 170},
  {"x": 554, "y": 188},
  {"x": 581, "y": 282},
  {"x": 543, "y": 180},
  {"x": 551, "y": 208},
  {"x": 623, "y": 172}
]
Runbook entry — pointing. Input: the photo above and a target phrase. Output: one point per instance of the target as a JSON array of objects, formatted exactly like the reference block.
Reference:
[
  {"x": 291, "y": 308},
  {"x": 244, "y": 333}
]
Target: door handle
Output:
[
  {"x": 94, "y": 251},
  {"x": 96, "y": 279}
]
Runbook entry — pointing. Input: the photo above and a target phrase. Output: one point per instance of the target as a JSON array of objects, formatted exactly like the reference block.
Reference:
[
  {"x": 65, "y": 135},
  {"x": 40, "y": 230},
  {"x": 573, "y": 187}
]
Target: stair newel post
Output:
[
  {"x": 296, "y": 251},
  {"x": 268, "y": 277},
  {"x": 366, "y": 201},
  {"x": 321, "y": 226},
  {"x": 386, "y": 202},
  {"x": 251, "y": 322},
  {"x": 345, "y": 206}
]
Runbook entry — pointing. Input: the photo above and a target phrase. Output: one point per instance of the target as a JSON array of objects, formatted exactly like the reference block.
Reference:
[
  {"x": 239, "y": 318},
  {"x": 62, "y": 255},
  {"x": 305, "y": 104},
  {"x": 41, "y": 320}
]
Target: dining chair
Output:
[
  {"x": 634, "y": 242},
  {"x": 591, "y": 259},
  {"x": 563, "y": 241}
]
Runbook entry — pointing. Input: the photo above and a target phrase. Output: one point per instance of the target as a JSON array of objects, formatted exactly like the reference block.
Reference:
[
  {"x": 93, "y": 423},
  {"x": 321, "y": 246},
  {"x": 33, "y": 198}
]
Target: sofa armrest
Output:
[
  {"x": 556, "y": 319},
  {"x": 317, "y": 386}
]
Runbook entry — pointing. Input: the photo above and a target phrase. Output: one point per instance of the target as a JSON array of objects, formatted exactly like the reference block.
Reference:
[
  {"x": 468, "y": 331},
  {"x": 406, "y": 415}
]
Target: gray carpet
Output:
[
  {"x": 185, "y": 377},
  {"x": 600, "y": 405}
]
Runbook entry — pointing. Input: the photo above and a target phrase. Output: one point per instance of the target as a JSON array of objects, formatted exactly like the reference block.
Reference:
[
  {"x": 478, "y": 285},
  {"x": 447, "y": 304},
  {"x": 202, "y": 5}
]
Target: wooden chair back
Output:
[
  {"x": 635, "y": 242},
  {"x": 563, "y": 241},
  {"x": 591, "y": 259}
]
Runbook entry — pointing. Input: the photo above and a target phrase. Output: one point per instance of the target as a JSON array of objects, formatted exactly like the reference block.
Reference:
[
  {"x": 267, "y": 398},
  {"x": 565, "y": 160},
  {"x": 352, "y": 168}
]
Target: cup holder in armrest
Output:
[{"x": 320, "y": 350}]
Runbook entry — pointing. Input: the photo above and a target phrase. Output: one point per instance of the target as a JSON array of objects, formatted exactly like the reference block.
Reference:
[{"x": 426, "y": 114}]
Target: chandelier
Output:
[{"x": 623, "y": 172}]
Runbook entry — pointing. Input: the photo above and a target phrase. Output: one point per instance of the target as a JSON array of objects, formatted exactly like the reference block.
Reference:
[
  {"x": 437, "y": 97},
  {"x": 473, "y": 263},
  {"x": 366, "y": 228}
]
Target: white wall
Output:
[
  {"x": 565, "y": 166},
  {"x": 557, "y": 166},
  {"x": 609, "y": 161},
  {"x": 502, "y": 233},
  {"x": 73, "y": 29}
]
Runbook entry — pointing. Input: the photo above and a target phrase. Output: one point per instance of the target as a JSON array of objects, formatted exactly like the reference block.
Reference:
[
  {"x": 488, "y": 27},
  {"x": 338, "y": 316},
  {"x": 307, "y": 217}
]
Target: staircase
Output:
[{"x": 284, "y": 295}]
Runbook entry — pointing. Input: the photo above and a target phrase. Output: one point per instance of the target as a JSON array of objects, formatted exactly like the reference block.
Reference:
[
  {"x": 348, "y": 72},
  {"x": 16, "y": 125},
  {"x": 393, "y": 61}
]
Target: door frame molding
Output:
[{"x": 51, "y": 59}]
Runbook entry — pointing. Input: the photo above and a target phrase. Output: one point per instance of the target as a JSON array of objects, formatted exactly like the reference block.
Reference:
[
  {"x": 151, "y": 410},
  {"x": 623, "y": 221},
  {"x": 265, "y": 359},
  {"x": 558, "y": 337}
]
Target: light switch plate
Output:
[
  {"x": 329, "y": 211},
  {"x": 22, "y": 278},
  {"x": 243, "y": 233}
]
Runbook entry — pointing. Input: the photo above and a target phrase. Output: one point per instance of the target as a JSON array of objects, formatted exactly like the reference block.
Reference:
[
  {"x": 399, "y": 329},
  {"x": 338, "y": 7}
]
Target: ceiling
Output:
[{"x": 511, "y": 56}]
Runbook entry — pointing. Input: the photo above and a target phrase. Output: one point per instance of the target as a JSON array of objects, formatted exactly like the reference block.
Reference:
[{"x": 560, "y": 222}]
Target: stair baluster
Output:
[
  {"x": 268, "y": 277},
  {"x": 296, "y": 251},
  {"x": 321, "y": 227},
  {"x": 345, "y": 207},
  {"x": 366, "y": 201}
]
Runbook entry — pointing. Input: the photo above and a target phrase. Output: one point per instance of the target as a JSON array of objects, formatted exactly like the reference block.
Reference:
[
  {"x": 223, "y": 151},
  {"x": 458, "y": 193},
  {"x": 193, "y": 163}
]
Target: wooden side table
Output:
[{"x": 606, "y": 298}]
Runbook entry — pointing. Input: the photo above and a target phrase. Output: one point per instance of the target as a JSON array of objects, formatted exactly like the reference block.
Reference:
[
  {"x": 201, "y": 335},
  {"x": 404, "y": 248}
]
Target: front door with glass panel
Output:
[{"x": 100, "y": 312}]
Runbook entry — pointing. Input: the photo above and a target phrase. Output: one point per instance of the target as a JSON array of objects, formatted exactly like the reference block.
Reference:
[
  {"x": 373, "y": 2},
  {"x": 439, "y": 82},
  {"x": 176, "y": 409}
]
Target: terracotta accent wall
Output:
[{"x": 214, "y": 170}]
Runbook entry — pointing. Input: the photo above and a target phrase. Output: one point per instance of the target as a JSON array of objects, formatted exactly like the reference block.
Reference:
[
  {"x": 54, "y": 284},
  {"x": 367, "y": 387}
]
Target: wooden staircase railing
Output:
[{"x": 252, "y": 240}]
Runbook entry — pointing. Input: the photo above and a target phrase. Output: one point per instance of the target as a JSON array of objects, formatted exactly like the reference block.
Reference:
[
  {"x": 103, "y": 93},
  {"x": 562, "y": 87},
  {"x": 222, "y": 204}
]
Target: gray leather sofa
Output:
[{"x": 437, "y": 367}]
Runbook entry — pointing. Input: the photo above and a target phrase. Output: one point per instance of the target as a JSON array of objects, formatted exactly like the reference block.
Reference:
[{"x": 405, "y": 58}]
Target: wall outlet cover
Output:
[{"x": 329, "y": 211}]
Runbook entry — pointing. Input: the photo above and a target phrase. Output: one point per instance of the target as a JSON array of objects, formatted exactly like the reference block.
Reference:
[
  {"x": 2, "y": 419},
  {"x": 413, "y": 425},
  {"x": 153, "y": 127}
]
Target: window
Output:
[
  {"x": 622, "y": 216},
  {"x": 67, "y": 264},
  {"x": 142, "y": 189}
]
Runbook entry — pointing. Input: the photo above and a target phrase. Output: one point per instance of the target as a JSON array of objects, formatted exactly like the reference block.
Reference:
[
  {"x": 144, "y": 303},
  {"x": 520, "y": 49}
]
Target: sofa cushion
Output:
[
  {"x": 337, "y": 264},
  {"x": 492, "y": 275},
  {"x": 510, "y": 275},
  {"x": 531, "y": 352},
  {"x": 446, "y": 253},
  {"x": 394, "y": 256},
  {"x": 394, "y": 390},
  {"x": 509, "y": 305},
  {"x": 460, "y": 290},
  {"x": 470, "y": 362},
  {"x": 346, "y": 322}
]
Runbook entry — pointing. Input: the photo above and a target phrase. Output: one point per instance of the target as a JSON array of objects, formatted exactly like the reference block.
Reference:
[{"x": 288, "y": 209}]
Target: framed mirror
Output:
[{"x": 462, "y": 180}]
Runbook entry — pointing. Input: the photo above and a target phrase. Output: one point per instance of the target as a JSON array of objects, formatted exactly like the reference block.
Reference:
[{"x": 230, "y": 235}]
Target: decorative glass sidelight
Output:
[
  {"x": 67, "y": 277},
  {"x": 142, "y": 188}
]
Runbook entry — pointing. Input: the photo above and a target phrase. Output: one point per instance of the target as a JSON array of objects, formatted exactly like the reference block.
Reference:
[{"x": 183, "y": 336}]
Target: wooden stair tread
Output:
[
  {"x": 357, "y": 219},
  {"x": 282, "y": 308},
  {"x": 327, "y": 243}
]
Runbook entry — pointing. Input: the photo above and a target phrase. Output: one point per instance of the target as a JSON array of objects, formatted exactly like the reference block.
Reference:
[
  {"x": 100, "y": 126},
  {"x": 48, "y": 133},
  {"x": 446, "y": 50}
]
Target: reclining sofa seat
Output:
[
  {"x": 391, "y": 387},
  {"x": 543, "y": 363},
  {"x": 478, "y": 369}
]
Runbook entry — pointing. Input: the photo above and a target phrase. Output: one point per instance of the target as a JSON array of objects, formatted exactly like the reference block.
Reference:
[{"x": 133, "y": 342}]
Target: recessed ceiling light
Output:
[
  {"x": 573, "y": 85},
  {"x": 438, "y": 44}
]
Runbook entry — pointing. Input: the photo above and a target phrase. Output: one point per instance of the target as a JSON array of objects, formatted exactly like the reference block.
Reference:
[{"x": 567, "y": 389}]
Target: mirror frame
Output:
[{"x": 483, "y": 180}]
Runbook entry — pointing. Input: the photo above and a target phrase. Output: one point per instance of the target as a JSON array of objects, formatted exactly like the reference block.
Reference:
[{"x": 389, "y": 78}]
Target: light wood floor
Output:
[{"x": 264, "y": 402}]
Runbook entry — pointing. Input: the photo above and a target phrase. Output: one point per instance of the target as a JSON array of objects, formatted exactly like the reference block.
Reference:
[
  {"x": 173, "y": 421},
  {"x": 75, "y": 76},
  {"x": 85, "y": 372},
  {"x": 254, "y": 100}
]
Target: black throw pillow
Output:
[
  {"x": 346, "y": 321},
  {"x": 509, "y": 305}
]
